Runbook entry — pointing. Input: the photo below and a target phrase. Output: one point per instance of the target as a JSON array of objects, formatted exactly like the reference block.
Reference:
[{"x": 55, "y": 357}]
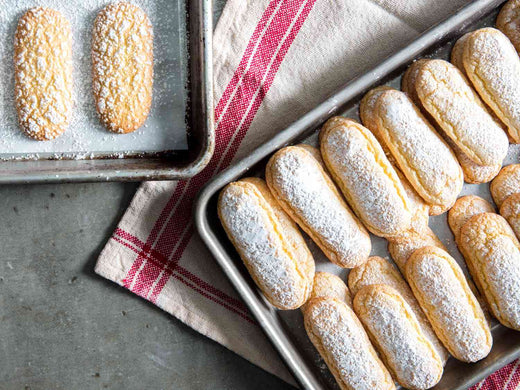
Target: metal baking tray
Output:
[
  {"x": 176, "y": 141},
  {"x": 285, "y": 328}
]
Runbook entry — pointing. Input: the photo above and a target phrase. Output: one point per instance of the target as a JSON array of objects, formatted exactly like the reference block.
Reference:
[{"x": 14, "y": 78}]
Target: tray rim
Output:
[
  {"x": 305, "y": 125},
  {"x": 200, "y": 29}
]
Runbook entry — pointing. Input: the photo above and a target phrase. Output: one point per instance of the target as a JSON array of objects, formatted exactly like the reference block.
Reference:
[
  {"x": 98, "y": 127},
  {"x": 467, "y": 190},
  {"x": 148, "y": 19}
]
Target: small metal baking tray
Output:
[
  {"x": 285, "y": 328},
  {"x": 176, "y": 141}
]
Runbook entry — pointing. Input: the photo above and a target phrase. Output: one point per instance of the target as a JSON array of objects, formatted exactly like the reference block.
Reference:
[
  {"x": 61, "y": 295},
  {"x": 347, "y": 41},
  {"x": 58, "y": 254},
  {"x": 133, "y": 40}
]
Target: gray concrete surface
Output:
[{"x": 63, "y": 327}]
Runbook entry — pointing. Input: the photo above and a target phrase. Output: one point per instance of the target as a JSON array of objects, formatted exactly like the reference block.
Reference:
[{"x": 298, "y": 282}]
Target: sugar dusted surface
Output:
[
  {"x": 165, "y": 128},
  {"x": 299, "y": 180},
  {"x": 496, "y": 257},
  {"x": 431, "y": 167},
  {"x": 379, "y": 271},
  {"x": 245, "y": 216},
  {"x": 392, "y": 323},
  {"x": 447, "y": 302},
  {"x": 456, "y": 107},
  {"x": 367, "y": 179},
  {"x": 350, "y": 351},
  {"x": 493, "y": 62}
]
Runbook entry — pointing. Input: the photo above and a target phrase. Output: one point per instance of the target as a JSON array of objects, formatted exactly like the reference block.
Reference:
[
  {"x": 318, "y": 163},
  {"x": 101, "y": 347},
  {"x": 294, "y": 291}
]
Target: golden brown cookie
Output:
[
  {"x": 43, "y": 73},
  {"x": 122, "y": 65}
]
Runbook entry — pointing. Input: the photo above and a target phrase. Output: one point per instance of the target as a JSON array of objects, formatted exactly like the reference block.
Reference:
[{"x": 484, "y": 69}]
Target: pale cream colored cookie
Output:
[
  {"x": 464, "y": 208},
  {"x": 492, "y": 64},
  {"x": 341, "y": 340},
  {"x": 327, "y": 285},
  {"x": 379, "y": 271},
  {"x": 473, "y": 172},
  {"x": 366, "y": 178},
  {"x": 398, "y": 336},
  {"x": 122, "y": 65},
  {"x": 409, "y": 78},
  {"x": 268, "y": 241},
  {"x": 492, "y": 254},
  {"x": 43, "y": 73},
  {"x": 457, "y": 109},
  {"x": 505, "y": 184},
  {"x": 307, "y": 193},
  {"x": 446, "y": 297},
  {"x": 457, "y": 52},
  {"x": 420, "y": 153}
]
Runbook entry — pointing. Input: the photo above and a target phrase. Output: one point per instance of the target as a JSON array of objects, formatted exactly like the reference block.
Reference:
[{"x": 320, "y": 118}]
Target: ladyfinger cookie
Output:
[
  {"x": 457, "y": 109},
  {"x": 421, "y": 154},
  {"x": 445, "y": 296},
  {"x": 508, "y": 21},
  {"x": 379, "y": 271},
  {"x": 473, "y": 172},
  {"x": 367, "y": 109},
  {"x": 505, "y": 184},
  {"x": 122, "y": 65},
  {"x": 308, "y": 195},
  {"x": 341, "y": 340},
  {"x": 402, "y": 247},
  {"x": 418, "y": 235},
  {"x": 457, "y": 53},
  {"x": 43, "y": 73},
  {"x": 366, "y": 178},
  {"x": 409, "y": 78},
  {"x": 398, "y": 336},
  {"x": 269, "y": 243},
  {"x": 492, "y": 253},
  {"x": 327, "y": 285},
  {"x": 492, "y": 64},
  {"x": 464, "y": 208},
  {"x": 510, "y": 210}
]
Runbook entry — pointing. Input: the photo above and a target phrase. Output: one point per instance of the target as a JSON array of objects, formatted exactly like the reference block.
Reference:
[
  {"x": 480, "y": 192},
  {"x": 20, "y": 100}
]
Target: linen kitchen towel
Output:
[{"x": 273, "y": 61}]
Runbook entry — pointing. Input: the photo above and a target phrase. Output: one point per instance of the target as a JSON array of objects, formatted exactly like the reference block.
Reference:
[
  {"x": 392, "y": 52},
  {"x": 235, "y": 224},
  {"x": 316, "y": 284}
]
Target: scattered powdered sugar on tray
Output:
[{"x": 86, "y": 137}]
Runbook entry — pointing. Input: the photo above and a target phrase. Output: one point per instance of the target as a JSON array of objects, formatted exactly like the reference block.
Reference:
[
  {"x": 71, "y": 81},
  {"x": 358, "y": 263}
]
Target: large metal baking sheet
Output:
[
  {"x": 175, "y": 141},
  {"x": 285, "y": 329}
]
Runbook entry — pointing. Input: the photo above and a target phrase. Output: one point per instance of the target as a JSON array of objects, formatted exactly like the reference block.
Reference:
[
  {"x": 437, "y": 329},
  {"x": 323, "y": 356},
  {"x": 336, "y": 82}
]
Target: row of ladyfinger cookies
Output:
[
  {"x": 122, "y": 69},
  {"x": 410, "y": 326}
]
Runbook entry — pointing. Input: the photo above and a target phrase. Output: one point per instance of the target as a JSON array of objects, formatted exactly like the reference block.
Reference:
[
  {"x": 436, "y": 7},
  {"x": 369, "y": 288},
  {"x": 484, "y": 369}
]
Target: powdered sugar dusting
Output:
[
  {"x": 165, "y": 128},
  {"x": 457, "y": 109},
  {"x": 260, "y": 241},
  {"x": 122, "y": 57},
  {"x": 424, "y": 158},
  {"x": 406, "y": 350},
  {"x": 379, "y": 271},
  {"x": 493, "y": 66},
  {"x": 335, "y": 327},
  {"x": 366, "y": 177},
  {"x": 494, "y": 253},
  {"x": 299, "y": 181},
  {"x": 449, "y": 303}
]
